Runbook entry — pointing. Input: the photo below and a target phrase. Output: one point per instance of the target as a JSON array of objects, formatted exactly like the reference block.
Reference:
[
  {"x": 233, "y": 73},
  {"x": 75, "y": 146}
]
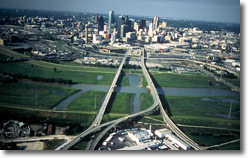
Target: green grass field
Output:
[
  {"x": 34, "y": 115},
  {"x": 86, "y": 102},
  {"x": 203, "y": 128},
  {"x": 146, "y": 101},
  {"x": 18, "y": 100},
  {"x": 24, "y": 95},
  {"x": 78, "y": 74},
  {"x": 192, "y": 111},
  {"x": 36, "y": 69},
  {"x": 192, "y": 80},
  {"x": 119, "y": 102}
]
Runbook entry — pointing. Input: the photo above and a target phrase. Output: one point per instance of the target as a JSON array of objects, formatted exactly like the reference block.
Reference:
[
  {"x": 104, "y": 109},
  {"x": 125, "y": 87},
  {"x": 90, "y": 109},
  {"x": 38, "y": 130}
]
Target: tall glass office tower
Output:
[{"x": 111, "y": 20}]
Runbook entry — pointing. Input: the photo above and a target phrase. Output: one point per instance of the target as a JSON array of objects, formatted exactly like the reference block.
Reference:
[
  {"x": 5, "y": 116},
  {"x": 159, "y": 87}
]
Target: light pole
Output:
[
  {"x": 36, "y": 96},
  {"x": 95, "y": 100},
  {"x": 230, "y": 111}
]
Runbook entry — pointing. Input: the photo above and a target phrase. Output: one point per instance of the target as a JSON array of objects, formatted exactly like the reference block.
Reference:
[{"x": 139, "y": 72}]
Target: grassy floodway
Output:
[
  {"x": 193, "y": 111},
  {"x": 18, "y": 100},
  {"x": 24, "y": 95},
  {"x": 210, "y": 119},
  {"x": 80, "y": 74},
  {"x": 187, "y": 80},
  {"x": 119, "y": 102}
]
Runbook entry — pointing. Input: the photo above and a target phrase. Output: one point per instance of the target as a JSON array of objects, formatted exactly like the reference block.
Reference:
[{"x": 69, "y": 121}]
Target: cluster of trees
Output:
[
  {"x": 165, "y": 69},
  {"x": 41, "y": 79},
  {"x": 224, "y": 73},
  {"x": 126, "y": 66},
  {"x": 129, "y": 66},
  {"x": 10, "y": 60}
]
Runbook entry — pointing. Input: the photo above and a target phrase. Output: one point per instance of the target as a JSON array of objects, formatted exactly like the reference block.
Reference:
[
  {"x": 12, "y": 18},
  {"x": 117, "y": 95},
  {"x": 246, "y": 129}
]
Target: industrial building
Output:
[
  {"x": 166, "y": 133},
  {"x": 178, "y": 141},
  {"x": 139, "y": 136},
  {"x": 162, "y": 133},
  {"x": 143, "y": 139}
]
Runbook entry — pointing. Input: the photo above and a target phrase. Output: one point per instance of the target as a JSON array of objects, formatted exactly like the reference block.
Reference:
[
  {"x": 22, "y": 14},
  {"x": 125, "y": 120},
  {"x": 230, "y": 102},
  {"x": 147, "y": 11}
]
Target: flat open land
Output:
[
  {"x": 24, "y": 95},
  {"x": 204, "y": 119},
  {"x": 34, "y": 68}
]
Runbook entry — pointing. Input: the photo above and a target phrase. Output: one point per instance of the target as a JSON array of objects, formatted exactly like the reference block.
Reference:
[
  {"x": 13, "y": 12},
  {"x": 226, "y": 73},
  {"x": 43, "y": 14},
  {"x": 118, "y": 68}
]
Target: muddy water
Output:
[{"x": 133, "y": 88}]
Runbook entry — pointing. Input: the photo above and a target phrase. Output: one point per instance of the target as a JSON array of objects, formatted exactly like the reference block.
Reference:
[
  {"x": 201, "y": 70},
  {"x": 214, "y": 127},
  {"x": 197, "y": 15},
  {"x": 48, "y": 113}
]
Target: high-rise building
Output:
[
  {"x": 128, "y": 22},
  {"x": 150, "y": 28},
  {"x": 136, "y": 26},
  {"x": 111, "y": 20},
  {"x": 100, "y": 24},
  {"x": 142, "y": 24},
  {"x": 96, "y": 19},
  {"x": 155, "y": 23},
  {"x": 113, "y": 38},
  {"x": 124, "y": 30},
  {"x": 120, "y": 21},
  {"x": 164, "y": 25},
  {"x": 86, "y": 34}
]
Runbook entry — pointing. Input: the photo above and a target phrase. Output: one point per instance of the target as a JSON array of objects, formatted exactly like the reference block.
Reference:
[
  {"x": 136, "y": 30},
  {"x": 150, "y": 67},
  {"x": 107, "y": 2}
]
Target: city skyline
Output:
[
  {"x": 73, "y": 80},
  {"x": 205, "y": 10}
]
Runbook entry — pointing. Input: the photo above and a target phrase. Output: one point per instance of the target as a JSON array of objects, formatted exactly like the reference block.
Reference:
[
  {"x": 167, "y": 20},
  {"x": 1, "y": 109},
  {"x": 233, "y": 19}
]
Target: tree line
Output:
[{"x": 40, "y": 79}]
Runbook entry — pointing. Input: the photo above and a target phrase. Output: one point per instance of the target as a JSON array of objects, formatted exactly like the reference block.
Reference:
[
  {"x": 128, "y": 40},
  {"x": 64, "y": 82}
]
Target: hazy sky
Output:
[{"x": 209, "y": 10}]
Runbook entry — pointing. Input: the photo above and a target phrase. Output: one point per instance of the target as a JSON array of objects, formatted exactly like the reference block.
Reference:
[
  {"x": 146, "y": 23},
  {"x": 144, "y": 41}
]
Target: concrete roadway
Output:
[
  {"x": 109, "y": 93},
  {"x": 157, "y": 101},
  {"x": 100, "y": 113},
  {"x": 166, "y": 118},
  {"x": 96, "y": 125}
]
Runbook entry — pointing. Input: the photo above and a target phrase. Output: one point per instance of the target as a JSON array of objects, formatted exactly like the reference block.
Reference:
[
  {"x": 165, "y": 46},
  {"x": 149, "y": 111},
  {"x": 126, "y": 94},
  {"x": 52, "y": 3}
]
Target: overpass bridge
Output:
[
  {"x": 166, "y": 118},
  {"x": 156, "y": 103},
  {"x": 233, "y": 87},
  {"x": 96, "y": 124},
  {"x": 100, "y": 113},
  {"x": 109, "y": 93},
  {"x": 153, "y": 106}
]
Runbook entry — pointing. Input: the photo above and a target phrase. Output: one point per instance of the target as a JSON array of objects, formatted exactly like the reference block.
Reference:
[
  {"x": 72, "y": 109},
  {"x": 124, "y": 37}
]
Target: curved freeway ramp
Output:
[
  {"x": 157, "y": 101},
  {"x": 113, "y": 123},
  {"x": 100, "y": 113}
]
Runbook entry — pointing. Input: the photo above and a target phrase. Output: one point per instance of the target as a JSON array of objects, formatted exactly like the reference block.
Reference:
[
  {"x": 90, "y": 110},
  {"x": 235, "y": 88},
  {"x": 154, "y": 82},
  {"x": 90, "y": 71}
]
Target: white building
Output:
[
  {"x": 161, "y": 133},
  {"x": 158, "y": 38},
  {"x": 139, "y": 136},
  {"x": 131, "y": 35},
  {"x": 97, "y": 39},
  {"x": 113, "y": 38},
  {"x": 178, "y": 141}
]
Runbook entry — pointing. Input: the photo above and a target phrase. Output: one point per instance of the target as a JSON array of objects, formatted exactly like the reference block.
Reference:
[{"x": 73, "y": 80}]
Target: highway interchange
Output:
[{"x": 96, "y": 124}]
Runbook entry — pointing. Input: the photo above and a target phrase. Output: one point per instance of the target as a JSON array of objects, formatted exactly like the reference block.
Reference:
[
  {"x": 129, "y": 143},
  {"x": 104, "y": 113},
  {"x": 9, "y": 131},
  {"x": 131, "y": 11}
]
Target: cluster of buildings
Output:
[
  {"x": 85, "y": 30},
  {"x": 100, "y": 61},
  {"x": 15, "y": 129},
  {"x": 72, "y": 36},
  {"x": 124, "y": 29},
  {"x": 143, "y": 139}
]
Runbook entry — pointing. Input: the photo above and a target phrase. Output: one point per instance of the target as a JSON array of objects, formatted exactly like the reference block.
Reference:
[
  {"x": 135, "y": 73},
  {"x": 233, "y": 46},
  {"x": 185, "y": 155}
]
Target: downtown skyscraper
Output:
[
  {"x": 111, "y": 21},
  {"x": 155, "y": 23}
]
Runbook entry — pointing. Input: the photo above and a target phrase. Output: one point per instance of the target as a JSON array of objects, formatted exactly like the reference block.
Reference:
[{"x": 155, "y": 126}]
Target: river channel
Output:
[{"x": 134, "y": 88}]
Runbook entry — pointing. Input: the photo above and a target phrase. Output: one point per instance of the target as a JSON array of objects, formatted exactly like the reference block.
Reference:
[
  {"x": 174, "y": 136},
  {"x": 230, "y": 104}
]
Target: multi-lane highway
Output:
[
  {"x": 157, "y": 101},
  {"x": 100, "y": 113},
  {"x": 217, "y": 78},
  {"x": 166, "y": 118},
  {"x": 153, "y": 106},
  {"x": 109, "y": 93},
  {"x": 96, "y": 124}
]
